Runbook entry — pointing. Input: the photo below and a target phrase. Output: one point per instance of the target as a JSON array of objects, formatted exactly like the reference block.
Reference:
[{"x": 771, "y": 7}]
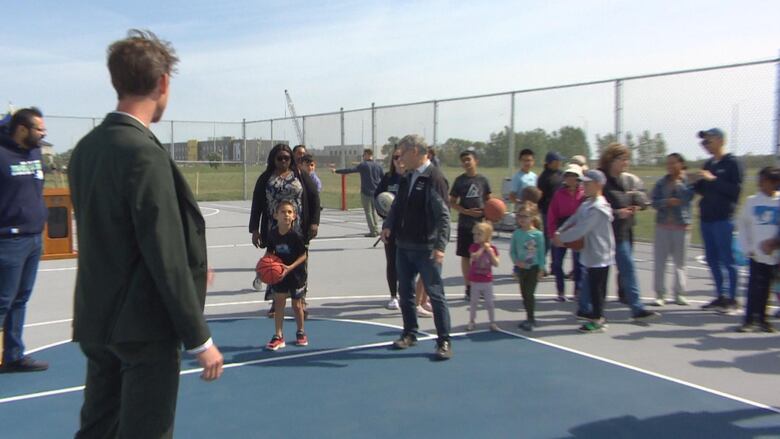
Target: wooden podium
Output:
[{"x": 58, "y": 232}]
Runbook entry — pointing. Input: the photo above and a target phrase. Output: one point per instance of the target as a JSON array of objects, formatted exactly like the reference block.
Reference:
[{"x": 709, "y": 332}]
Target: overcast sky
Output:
[{"x": 237, "y": 57}]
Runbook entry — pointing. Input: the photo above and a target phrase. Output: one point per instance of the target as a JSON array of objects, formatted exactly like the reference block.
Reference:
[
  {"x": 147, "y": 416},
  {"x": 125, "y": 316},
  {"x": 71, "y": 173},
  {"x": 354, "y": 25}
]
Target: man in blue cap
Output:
[
  {"x": 719, "y": 184},
  {"x": 549, "y": 181}
]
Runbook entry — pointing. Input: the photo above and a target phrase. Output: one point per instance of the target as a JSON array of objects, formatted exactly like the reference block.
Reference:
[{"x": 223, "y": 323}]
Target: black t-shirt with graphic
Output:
[
  {"x": 288, "y": 247},
  {"x": 471, "y": 193}
]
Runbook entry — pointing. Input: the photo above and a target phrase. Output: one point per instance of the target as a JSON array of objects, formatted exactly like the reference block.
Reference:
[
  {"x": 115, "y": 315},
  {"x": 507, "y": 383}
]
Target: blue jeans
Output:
[
  {"x": 19, "y": 258},
  {"x": 624, "y": 259},
  {"x": 558, "y": 254},
  {"x": 409, "y": 263},
  {"x": 717, "y": 237}
]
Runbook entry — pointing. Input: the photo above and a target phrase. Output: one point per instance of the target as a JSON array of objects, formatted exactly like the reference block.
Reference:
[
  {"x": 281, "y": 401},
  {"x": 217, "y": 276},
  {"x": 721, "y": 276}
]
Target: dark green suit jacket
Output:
[{"x": 141, "y": 240}]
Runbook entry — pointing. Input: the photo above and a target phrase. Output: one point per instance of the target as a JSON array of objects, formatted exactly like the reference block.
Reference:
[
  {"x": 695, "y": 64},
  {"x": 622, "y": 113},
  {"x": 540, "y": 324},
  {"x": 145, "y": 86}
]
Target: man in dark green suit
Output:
[{"x": 142, "y": 273}]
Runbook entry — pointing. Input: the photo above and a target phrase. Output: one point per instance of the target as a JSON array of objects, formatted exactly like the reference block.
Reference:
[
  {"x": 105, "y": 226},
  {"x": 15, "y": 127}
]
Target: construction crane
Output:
[{"x": 290, "y": 105}]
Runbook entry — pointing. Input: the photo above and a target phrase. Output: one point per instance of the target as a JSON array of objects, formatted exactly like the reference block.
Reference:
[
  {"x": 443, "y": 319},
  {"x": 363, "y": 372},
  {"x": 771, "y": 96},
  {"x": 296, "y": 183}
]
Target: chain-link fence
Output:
[{"x": 653, "y": 114}]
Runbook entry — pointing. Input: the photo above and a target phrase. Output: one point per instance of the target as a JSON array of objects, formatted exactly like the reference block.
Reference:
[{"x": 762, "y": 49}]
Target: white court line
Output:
[
  {"x": 646, "y": 372},
  {"x": 215, "y": 211}
]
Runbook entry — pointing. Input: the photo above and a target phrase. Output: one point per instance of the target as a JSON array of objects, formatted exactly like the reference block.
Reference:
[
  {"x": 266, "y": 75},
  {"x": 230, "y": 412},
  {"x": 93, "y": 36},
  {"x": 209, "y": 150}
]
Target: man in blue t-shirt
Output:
[
  {"x": 22, "y": 217},
  {"x": 524, "y": 177}
]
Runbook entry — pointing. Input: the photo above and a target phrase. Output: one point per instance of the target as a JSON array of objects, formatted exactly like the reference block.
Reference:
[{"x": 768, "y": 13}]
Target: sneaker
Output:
[
  {"x": 24, "y": 364},
  {"x": 257, "y": 284},
  {"x": 422, "y": 312},
  {"x": 747, "y": 327},
  {"x": 470, "y": 326},
  {"x": 728, "y": 307},
  {"x": 271, "y": 312},
  {"x": 275, "y": 343},
  {"x": 444, "y": 350},
  {"x": 592, "y": 327},
  {"x": 393, "y": 304},
  {"x": 715, "y": 303},
  {"x": 406, "y": 340},
  {"x": 301, "y": 339},
  {"x": 526, "y": 325},
  {"x": 560, "y": 298},
  {"x": 645, "y": 315},
  {"x": 767, "y": 327},
  {"x": 681, "y": 300},
  {"x": 658, "y": 302},
  {"x": 494, "y": 327}
]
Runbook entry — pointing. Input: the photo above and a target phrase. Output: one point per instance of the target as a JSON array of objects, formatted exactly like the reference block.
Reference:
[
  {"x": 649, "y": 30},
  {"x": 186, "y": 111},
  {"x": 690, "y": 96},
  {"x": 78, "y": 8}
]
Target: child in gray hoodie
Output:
[{"x": 592, "y": 223}]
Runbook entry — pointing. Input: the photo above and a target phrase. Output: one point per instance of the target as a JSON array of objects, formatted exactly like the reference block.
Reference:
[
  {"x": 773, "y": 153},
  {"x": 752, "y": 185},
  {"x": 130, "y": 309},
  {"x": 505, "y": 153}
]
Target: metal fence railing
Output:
[{"x": 223, "y": 159}]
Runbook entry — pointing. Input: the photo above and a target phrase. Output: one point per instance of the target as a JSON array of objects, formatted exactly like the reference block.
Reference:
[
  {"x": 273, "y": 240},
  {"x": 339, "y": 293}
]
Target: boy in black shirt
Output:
[
  {"x": 468, "y": 195},
  {"x": 290, "y": 248}
]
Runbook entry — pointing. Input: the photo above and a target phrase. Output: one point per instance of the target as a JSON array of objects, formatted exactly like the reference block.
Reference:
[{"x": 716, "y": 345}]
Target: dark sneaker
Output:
[
  {"x": 767, "y": 327},
  {"x": 645, "y": 315},
  {"x": 592, "y": 327},
  {"x": 24, "y": 364},
  {"x": 407, "y": 340},
  {"x": 748, "y": 327},
  {"x": 560, "y": 298},
  {"x": 301, "y": 339},
  {"x": 275, "y": 343},
  {"x": 444, "y": 350},
  {"x": 728, "y": 307},
  {"x": 717, "y": 303},
  {"x": 526, "y": 325}
]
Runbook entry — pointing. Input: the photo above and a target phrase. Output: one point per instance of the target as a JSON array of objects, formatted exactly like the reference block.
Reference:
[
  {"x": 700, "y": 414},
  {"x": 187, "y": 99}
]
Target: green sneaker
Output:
[{"x": 592, "y": 327}]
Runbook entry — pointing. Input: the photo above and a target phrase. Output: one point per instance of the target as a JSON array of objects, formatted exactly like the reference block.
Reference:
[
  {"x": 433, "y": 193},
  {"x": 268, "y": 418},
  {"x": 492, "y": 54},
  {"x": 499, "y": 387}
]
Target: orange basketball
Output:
[
  {"x": 494, "y": 209},
  {"x": 270, "y": 268}
]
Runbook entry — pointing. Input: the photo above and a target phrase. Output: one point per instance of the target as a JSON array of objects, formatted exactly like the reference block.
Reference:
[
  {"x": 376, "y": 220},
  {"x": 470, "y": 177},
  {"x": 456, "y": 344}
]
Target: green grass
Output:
[{"x": 227, "y": 183}]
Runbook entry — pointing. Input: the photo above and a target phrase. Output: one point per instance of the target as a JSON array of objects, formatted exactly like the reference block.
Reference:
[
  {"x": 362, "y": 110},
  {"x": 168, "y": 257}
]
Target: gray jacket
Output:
[
  {"x": 678, "y": 215},
  {"x": 593, "y": 220}
]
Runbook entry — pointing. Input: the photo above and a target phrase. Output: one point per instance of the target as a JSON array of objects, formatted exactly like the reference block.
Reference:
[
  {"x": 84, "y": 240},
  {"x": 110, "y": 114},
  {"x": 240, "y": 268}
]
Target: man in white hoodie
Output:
[
  {"x": 593, "y": 223},
  {"x": 758, "y": 221}
]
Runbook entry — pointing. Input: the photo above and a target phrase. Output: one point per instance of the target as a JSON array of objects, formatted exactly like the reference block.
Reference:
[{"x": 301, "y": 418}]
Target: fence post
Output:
[
  {"x": 341, "y": 129},
  {"x": 343, "y": 192},
  {"x": 303, "y": 130},
  {"x": 618, "y": 110},
  {"x": 173, "y": 147},
  {"x": 243, "y": 137},
  {"x": 373, "y": 128},
  {"x": 435, "y": 123},
  {"x": 511, "y": 135}
]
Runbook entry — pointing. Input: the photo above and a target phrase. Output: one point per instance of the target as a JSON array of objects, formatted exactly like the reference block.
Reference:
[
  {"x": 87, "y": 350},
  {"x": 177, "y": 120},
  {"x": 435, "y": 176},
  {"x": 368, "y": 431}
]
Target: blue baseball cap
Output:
[
  {"x": 594, "y": 175},
  {"x": 712, "y": 132},
  {"x": 553, "y": 156}
]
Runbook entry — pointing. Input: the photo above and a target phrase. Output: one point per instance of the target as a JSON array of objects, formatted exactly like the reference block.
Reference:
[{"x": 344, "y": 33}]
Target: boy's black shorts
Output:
[
  {"x": 465, "y": 239},
  {"x": 298, "y": 293}
]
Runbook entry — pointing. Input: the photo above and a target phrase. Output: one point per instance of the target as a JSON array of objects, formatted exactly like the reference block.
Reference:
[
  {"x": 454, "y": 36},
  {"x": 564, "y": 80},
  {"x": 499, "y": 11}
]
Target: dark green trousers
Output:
[
  {"x": 529, "y": 277},
  {"x": 131, "y": 390}
]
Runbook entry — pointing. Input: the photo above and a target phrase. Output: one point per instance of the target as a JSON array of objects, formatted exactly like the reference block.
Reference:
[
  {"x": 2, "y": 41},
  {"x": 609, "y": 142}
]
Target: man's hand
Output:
[
  {"x": 437, "y": 256},
  {"x": 256, "y": 239},
  {"x": 314, "y": 228},
  {"x": 385, "y": 235},
  {"x": 707, "y": 175},
  {"x": 211, "y": 361}
]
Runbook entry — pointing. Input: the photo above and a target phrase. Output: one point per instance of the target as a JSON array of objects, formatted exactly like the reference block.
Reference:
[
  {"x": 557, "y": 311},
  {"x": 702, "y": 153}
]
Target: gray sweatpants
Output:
[
  {"x": 484, "y": 289},
  {"x": 670, "y": 242},
  {"x": 368, "y": 207}
]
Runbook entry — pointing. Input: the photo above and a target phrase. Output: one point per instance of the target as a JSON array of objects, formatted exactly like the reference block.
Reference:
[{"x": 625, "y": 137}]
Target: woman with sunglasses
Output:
[
  {"x": 281, "y": 180},
  {"x": 389, "y": 183}
]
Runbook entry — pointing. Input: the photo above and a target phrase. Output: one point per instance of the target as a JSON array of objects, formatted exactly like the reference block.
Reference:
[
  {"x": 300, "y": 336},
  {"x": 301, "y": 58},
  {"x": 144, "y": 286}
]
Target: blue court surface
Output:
[{"x": 349, "y": 383}]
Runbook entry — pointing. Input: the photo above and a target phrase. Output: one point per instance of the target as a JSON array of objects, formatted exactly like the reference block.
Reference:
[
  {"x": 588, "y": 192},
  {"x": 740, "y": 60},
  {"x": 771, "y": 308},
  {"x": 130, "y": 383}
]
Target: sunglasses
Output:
[{"x": 283, "y": 158}]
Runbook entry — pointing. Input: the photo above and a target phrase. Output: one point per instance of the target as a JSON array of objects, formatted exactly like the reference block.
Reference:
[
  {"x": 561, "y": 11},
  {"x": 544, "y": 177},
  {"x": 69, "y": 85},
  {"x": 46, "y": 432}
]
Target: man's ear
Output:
[{"x": 163, "y": 83}]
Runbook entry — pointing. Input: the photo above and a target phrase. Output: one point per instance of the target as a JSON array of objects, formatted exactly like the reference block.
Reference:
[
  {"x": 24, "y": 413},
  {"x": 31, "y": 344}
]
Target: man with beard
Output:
[{"x": 22, "y": 217}]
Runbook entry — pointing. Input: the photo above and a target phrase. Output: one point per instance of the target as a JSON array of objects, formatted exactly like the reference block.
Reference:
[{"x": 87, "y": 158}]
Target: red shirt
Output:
[{"x": 481, "y": 269}]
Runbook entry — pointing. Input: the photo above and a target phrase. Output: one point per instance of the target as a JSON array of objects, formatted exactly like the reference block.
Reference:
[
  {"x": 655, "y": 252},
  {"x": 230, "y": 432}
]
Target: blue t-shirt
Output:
[{"x": 522, "y": 180}]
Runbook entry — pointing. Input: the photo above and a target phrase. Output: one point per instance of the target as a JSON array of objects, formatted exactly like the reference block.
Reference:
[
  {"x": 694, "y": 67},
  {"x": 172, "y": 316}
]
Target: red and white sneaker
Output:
[
  {"x": 301, "y": 339},
  {"x": 275, "y": 343}
]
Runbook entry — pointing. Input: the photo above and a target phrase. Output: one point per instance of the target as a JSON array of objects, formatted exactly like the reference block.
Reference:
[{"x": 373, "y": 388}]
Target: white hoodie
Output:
[
  {"x": 758, "y": 221},
  {"x": 593, "y": 220}
]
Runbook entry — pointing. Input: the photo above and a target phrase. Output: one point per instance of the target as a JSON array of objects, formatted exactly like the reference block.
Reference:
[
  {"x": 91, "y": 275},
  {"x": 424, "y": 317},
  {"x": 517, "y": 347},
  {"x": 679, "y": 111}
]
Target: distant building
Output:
[
  {"x": 344, "y": 155},
  {"x": 227, "y": 148}
]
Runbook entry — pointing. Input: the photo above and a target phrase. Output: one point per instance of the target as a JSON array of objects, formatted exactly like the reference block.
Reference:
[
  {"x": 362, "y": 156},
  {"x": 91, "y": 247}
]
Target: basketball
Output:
[
  {"x": 383, "y": 203},
  {"x": 494, "y": 209},
  {"x": 270, "y": 269}
]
